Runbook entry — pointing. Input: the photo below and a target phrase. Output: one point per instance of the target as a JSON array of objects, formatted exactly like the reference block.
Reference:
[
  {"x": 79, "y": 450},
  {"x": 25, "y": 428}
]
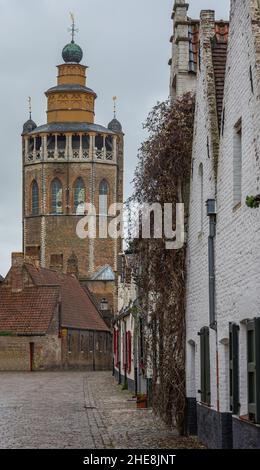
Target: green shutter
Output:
[
  {"x": 202, "y": 366},
  {"x": 257, "y": 361},
  {"x": 251, "y": 369},
  {"x": 205, "y": 365},
  {"x": 234, "y": 367}
]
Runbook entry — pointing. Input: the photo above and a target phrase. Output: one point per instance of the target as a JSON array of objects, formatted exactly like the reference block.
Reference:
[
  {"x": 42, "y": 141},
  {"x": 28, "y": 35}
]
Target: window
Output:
[
  {"x": 35, "y": 198},
  {"x": 61, "y": 145},
  {"x": 109, "y": 143},
  {"x": 79, "y": 196},
  {"x": 103, "y": 195},
  {"x": 56, "y": 197},
  {"x": 201, "y": 202},
  {"x": 31, "y": 144},
  {"x": 85, "y": 141},
  {"x": 99, "y": 142},
  {"x": 234, "y": 367},
  {"x": 237, "y": 164},
  {"x": 56, "y": 261},
  {"x": 253, "y": 369},
  {"x": 192, "y": 51},
  {"x": 205, "y": 365}
]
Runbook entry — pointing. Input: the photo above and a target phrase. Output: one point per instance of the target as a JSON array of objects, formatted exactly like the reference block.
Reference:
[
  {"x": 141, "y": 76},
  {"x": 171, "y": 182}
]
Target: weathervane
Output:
[
  {"x": 115, "y": 100},
  {"x": 30, "y": 106},
  {"x": 73, "y": 29}
]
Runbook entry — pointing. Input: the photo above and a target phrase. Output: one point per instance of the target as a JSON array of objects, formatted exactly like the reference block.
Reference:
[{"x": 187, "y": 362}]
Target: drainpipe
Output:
[{"x": 211, "y": 213}]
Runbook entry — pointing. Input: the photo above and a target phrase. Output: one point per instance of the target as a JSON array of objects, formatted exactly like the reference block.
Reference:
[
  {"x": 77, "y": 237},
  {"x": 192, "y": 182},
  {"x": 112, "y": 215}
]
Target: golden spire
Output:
[{"x": 115, "y": 101}]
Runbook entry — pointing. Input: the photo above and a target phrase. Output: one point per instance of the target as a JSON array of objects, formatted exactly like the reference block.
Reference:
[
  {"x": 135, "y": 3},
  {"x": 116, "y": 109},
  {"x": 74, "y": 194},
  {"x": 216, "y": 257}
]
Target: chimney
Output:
[
  {"x": 17, "y": 272},
  {"x": 207, "y": 24}
]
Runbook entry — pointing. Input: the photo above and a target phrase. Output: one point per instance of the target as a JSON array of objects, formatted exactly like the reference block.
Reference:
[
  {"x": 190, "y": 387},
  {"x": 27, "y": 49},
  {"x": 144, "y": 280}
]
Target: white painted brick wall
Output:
[{"x": 238, "y": 232}]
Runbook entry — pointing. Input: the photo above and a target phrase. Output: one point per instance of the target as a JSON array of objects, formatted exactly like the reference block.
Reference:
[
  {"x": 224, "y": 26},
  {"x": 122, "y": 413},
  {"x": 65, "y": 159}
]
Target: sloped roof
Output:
[
  {"x": 219, "y": 58},
  {"x": 1, "y": 278},
  {"x": 28, "y": 312},
  {"x": 70, "y": 127},
  {"x": 78, "y": 310},
  {"x": 104, "y": 274}
]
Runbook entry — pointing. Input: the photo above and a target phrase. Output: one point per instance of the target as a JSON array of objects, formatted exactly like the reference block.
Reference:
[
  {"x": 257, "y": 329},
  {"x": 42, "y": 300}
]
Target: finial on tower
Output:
[
  {"x": 72, "y": 52},
  {"x": 115, "y": 125},
  {"x": 30, "y": 107},
  {"x": 29, "y": 125},
  {"x": 114, "y": 100},
  {"x": 73, "y": 30}
]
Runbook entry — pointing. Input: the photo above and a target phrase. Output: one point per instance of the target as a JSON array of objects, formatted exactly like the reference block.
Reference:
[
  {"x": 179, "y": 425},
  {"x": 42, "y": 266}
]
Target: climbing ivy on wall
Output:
[{"x": 163, "y": 175}]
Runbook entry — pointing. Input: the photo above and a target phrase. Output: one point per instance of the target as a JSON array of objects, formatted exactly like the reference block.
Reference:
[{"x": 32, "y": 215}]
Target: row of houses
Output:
[{"x": 219, "y": 62}]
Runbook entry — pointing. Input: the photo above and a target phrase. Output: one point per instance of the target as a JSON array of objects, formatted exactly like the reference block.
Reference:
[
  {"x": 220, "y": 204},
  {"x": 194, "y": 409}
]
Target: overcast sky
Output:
[{"x": 126, "y": 46}]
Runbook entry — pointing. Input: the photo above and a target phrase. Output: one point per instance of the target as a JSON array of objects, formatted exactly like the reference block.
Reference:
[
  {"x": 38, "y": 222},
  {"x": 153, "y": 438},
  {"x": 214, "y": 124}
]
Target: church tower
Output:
[{"x": 66, "y": 162}]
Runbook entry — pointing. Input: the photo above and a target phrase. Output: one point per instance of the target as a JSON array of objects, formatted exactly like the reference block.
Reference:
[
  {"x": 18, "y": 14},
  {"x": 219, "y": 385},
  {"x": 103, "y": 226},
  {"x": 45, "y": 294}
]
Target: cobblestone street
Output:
[{"x": 77, "y": 410}]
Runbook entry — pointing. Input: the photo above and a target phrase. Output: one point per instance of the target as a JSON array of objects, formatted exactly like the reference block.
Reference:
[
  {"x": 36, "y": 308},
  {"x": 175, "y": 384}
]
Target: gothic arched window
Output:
[
  {"x": 35, "y": 198},
  {"x": 79, "y": 196},
  {"x": 103, "y": 197},
  {"x": 56, "y": 197}
]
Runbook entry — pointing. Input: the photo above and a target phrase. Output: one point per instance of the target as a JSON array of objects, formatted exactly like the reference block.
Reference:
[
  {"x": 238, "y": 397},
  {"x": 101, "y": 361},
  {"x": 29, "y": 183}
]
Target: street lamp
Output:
[{"x": 104, "y": 305}]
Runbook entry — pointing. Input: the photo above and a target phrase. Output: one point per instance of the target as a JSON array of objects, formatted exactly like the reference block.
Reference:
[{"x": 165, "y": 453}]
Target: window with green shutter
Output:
[
  {"x": 253, "y": 369},
  {"x": 234, "y": 367},
  {"x": 205, "y": 365}
]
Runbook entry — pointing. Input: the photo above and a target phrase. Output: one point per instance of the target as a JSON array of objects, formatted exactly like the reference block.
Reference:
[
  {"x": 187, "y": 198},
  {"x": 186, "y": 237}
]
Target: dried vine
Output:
[{"x": 163, "y": 175}]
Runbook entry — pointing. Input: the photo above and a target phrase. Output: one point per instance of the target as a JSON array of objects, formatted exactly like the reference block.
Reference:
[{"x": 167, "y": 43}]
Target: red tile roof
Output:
[
  {"x": 78, "y": 310},
  {"x": 31, "y": 310},
  {"x": 28, "y": 312}
]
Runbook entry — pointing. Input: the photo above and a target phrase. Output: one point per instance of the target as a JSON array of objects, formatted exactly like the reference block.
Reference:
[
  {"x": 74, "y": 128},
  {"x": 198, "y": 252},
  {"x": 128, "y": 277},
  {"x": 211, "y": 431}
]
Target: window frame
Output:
[
  {"x": 56, "y": 212},
  {"x": 76, "y": 188},
  {"x": 103, "y": 198},
  {"x": 35, "y": 208}
]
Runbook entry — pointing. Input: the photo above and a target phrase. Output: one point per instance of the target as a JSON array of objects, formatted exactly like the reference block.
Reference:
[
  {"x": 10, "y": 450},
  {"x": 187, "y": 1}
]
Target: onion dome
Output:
[
  {"x": 29, "y": 126},
  {"x": 72, "y": 53},
  {"x": 115, "y": 126}
]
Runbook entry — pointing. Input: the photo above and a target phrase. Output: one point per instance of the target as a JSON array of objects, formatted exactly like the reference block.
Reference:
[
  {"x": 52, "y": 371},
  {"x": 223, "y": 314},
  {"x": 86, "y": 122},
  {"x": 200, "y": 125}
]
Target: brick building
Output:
[
  {"x": 67, "y": 162},
  {"x": 222, "y": 304},
  {"x": 48, "y": 320}
]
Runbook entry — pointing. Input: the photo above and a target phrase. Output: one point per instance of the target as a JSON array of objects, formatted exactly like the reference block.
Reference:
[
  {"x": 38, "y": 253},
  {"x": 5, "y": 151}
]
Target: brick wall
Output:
[{"x": 15, "y": 353}]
